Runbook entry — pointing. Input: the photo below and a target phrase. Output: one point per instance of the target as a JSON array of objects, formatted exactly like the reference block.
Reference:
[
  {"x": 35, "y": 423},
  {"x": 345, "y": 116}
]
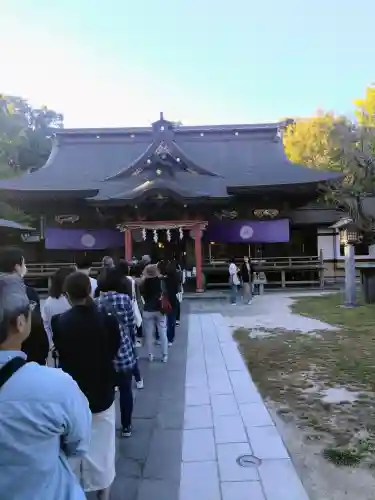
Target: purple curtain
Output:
[
  {"x": 248, "y": 231},
  {"x": 82, "y": 239}
]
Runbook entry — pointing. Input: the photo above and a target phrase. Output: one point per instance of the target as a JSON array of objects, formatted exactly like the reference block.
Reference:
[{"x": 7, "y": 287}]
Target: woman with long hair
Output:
[
  {"x": 56, "y": 303},
  {"x": 129, "y": 274}
]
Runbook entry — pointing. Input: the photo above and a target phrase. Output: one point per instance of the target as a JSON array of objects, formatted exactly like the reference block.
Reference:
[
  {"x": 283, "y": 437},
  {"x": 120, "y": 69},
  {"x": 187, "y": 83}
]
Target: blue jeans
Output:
[
  {"x": 171, "y": 325},
  {"x": 233, "y": 293},
  {"x": 137, "y": 372},
  {"x": 126, "y": 397},
  {"x": 155, "y": 320}
]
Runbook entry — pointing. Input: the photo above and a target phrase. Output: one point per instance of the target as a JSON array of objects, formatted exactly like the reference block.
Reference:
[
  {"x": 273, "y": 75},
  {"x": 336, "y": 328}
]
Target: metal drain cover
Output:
[{"x": 248, "y": 461}]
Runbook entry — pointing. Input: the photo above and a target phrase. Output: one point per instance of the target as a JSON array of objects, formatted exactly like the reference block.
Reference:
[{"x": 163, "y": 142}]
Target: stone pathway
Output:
[
  {"x": 193, "y": 421},
  {"x": 149, "y": 463},
  {"x": 268, "y": 311},
  {"x": 225, "y": 419}
]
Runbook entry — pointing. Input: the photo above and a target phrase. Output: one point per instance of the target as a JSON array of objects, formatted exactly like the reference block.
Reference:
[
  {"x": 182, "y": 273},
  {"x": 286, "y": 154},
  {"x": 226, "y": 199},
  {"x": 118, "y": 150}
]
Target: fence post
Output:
[{"x": 321, "y": 270}]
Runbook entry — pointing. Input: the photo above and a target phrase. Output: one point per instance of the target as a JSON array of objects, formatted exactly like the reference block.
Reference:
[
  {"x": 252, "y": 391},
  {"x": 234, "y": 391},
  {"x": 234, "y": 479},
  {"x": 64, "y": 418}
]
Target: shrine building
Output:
[{"x": 203, "y": 194}]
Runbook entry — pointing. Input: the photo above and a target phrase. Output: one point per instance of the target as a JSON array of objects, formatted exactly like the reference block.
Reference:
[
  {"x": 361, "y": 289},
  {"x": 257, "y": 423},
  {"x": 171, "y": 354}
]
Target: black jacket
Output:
[
  {"x": 172, "y": 285},
  {"x": 87, "y": 341},
  {"x": 151, "y": 292},
  {"x": 246, "y": 276},
  {"x": 36, "y": 346}
]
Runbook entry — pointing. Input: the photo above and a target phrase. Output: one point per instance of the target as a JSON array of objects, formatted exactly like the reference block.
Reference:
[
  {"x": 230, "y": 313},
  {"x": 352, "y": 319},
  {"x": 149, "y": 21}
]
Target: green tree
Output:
[
  {"x": 25, "y": 132},
  {"x": 25, "y": 142}
]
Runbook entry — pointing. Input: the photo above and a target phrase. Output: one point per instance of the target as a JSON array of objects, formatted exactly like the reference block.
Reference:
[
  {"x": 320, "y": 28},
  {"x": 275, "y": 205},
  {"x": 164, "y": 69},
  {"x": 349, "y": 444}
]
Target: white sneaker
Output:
[
  {"x": 138, "y": 343},
  {"x": 140, "y": 385},
  {"x": 151, "y": 358},
  {"x": 165, "y": 358},
  {"x": 170, "y": 344},
  {"x": 250, "y": 301}
]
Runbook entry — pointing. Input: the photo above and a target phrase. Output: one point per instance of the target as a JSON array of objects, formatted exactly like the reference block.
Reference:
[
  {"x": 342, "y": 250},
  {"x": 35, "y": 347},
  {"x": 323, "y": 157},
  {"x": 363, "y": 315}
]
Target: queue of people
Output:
[{"x": 93, "y": 328}]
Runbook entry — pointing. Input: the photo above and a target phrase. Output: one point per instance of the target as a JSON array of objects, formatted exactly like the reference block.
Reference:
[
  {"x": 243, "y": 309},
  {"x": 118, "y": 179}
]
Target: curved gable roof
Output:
[{"x": 105, "y": 164}]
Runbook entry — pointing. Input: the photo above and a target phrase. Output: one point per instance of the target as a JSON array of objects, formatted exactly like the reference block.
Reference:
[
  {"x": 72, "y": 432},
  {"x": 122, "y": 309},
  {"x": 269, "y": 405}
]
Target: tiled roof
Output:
[{"x": 194, "y": 162}]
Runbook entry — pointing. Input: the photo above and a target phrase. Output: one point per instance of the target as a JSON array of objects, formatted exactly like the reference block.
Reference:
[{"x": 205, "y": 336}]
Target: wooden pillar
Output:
[
  {"x": 128, "y": 245},
  {"x": 197, "y": 233}
]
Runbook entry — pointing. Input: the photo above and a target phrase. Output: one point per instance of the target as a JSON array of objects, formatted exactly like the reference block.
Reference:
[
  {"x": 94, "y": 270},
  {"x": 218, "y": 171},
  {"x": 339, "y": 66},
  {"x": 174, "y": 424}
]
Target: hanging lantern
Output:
[
  {"x": 144, "y": 234},
  {"x": 155, "y": 236},
  {"x": 181, "y": 233},
  {"x": 169, "y": 236}
]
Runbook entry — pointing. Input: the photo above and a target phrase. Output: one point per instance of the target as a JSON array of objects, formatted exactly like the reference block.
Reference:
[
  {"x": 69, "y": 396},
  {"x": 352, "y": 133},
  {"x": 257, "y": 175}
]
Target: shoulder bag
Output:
[
  {"x": 10, "y": 368},
  {"x": 136, "y": 311},
  {"x": 165, "y": 305}
]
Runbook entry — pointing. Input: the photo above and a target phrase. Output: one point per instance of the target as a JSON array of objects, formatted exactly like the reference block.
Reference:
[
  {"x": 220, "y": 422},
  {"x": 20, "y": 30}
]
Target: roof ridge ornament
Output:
[{"x": 162, "y": 149}]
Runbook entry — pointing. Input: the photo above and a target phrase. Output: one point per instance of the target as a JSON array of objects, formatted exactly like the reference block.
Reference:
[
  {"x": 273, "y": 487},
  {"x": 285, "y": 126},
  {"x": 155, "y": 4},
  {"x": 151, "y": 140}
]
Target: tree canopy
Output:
[
  {"x": 365, "y": 108},
  {"x": 332, "y": 142},
  {"x": 315, "y": 142},
  {"x": 25, "y": 133},
  {"x": 25, "y": 141}
]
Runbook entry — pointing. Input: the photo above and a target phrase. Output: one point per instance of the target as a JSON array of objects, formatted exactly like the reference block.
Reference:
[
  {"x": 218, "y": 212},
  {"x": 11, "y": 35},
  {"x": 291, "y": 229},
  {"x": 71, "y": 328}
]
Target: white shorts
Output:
[{"x": 96, "y": 471}]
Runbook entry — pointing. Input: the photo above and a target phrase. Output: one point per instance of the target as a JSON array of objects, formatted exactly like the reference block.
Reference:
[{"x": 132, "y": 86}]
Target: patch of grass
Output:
[
  {"x": 342, "y": 457},
  {"x": 329, "y": 308},
  {"x": 292, "y": 369}
]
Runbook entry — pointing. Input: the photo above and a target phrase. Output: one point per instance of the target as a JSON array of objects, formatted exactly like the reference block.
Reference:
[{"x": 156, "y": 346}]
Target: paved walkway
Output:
[
  {"x": 195, "y": 418},
  {"x": 225, "y": 418},
  {"x": 149, "y": 463}
]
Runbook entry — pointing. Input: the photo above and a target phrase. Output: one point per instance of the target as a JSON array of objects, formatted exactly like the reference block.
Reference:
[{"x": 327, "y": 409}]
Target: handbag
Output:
[
  {"x": 136, "y": 311},
  {"x": 165, "y": 305},
  {"x": 10, "y": 368}
]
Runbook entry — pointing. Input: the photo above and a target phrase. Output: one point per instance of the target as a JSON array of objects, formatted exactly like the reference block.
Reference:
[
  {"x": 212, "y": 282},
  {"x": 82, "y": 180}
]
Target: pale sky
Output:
[{"x": 121, "y": 62}]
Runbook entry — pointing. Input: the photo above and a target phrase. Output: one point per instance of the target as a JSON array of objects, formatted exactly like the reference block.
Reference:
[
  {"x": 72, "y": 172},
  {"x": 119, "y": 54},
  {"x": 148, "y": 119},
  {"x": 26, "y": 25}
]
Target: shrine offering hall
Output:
[{"x": 201, "y": 194}]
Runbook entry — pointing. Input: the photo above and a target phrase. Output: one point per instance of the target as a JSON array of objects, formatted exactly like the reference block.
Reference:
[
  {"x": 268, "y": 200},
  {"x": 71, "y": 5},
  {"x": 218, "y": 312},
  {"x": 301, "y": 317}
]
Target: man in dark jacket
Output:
[{"x": 36, "y": 346}]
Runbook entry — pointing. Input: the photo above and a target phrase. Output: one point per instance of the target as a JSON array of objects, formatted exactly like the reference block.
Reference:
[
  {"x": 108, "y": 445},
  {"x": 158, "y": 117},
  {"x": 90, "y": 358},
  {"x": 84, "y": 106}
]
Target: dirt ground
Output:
[
  {"x": 321, "y": 388},
  {"x": 323, "y": 480}
]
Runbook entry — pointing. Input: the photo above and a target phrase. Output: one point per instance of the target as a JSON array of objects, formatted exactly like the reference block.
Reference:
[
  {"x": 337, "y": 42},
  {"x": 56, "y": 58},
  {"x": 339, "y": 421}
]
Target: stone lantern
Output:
[{"x": 349, "y": 236}]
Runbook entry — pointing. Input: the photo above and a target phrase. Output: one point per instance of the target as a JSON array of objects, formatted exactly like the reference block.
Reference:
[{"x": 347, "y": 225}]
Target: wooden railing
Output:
[
  {"x": 47, "y": 269},
  {"x": 39, "y": 273},
  {"x": 292, "y": 271}
]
